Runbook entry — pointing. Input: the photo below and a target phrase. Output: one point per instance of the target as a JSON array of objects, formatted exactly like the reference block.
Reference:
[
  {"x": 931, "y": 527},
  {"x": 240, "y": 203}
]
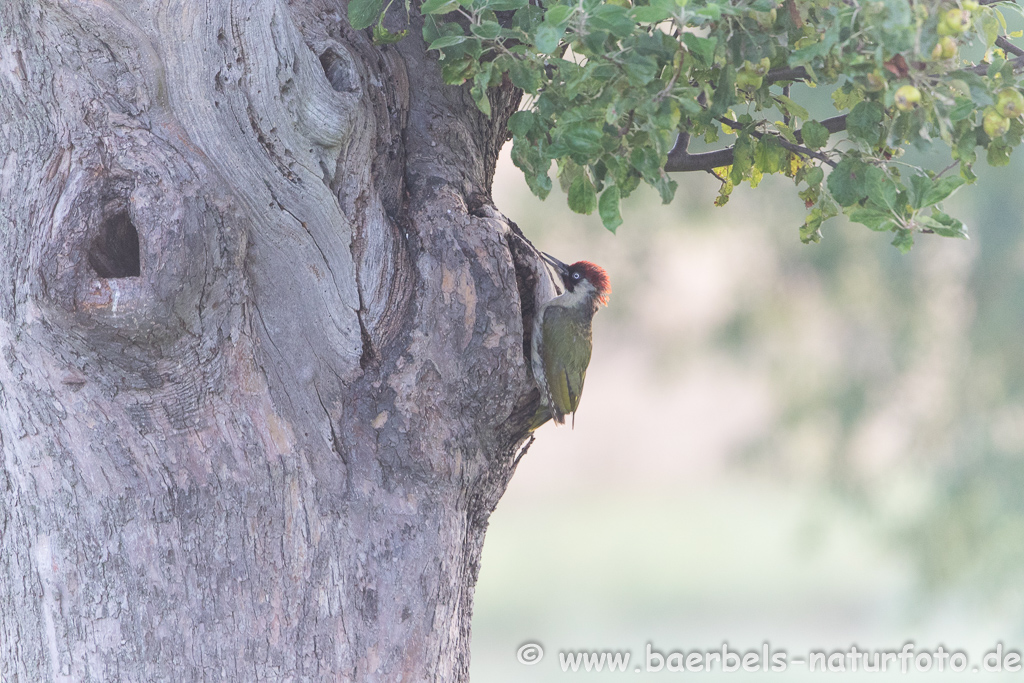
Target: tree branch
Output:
[
  {"x": 786, "y": 144},
  {"x": 832, "y": 125},
  {"x": 982, "y": 69},
  {"x": 1002, "y": 42},
  {"x": 681, "y": 161},
  {"x": 795, "y": 74}
]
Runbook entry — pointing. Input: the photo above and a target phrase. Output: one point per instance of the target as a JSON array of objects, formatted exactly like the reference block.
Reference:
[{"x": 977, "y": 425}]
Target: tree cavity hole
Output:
[{"x": 114, "y": 252}]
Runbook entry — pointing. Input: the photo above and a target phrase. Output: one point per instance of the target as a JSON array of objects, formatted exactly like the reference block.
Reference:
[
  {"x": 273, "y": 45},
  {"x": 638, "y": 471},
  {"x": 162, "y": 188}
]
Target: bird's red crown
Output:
[{"x": 597, "y": 277}]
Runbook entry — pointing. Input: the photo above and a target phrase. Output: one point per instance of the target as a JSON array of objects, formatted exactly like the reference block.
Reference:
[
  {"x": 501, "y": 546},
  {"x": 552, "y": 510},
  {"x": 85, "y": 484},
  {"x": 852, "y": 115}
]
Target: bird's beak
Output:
[{"x": 562, "y": 269}]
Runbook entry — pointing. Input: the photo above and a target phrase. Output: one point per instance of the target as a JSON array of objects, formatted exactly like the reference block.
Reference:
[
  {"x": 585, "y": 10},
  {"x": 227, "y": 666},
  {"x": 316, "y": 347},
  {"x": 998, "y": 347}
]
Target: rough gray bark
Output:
[{"x": 263, "y": 373}]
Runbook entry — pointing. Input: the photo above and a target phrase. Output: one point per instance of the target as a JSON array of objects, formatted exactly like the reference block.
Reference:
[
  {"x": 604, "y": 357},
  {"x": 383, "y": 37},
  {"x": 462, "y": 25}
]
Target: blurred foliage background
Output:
[{"x": 814, "y": 446}]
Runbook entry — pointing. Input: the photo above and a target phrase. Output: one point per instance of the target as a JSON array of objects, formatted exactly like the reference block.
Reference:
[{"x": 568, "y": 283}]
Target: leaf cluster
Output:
[{"x": 617, "y": 90}]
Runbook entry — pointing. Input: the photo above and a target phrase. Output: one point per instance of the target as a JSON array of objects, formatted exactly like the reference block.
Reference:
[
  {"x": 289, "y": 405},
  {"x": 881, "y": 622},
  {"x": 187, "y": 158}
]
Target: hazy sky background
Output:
[{"x": 814, "y": 446}]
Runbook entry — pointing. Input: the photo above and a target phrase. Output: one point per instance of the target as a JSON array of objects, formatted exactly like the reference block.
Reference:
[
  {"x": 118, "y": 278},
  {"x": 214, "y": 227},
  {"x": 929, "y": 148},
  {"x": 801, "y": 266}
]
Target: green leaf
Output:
[
  {"x": 881, "y": 189},
  {"x": 847, "y": 181},
  {"x": 977, "y": 85},
  {"x": 483, "y": 103},
  {"x": 998, "y": 155},
  {"x": 874, "y": 218},
  {"x": 645, "y": 160},
  {"x": 712, "y": 12},
  {"x": 904, "y": 240},
  {"x": 786, "y": 132},
  {"x": 814, "y": 134},
  {"x": 558, "y": 15},
  {"x": 702, "y": 48},
  {"x": 810, "y": 231},
  {"x": 769, "y": 155},
  {"x": 362, "y": 13},
  {"x": 790, "y": 107},
  {"x": 436, "y": 6},
  {"x": 568, "y": 172},
  {"x": 961, "y": 109},
  {"x": 814, "y": 176},
  {"x": 847, "y": 96},
  {"x": 608, "y": 208},
  {"x": 945, "y": 225},
  {"x": 488, "y": 30},
  {"x": 724, "y": 93},
  {"x": 742, "y": 158},
  {"x": 919, "y": 187},
  {"x": 583, "y": 139},
  {"x": 889, "y": 23},
  {"x": 521, "y": 123},
  {"x": 525, "y": 75},
  {"x": 447, "y": 41},
  {"x": 506, "y": 5},
  {"x": 666, "y": 188},
  {"x": 641, "y": 69},
  {"x": 479, "y": 89},
  {"x": 582, "y": 196},
  {"x": 534, "y": 167},
  {"x": 458, "y": 71},
  {"x": 940, "y": 189},
  {"x": 650, "y": 14},
  {"x": 964, "y": 150},
  {"x": 548, "y": 37},
  {"x": 614, "y": 19},
  {"x": 864, "y": 121},
  {"x": 989, "y": 27}
]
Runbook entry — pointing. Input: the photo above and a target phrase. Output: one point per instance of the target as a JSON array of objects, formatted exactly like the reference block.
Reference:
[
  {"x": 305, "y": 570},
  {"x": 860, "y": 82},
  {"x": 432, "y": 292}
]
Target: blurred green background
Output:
[{"x": 813, "y": 446}]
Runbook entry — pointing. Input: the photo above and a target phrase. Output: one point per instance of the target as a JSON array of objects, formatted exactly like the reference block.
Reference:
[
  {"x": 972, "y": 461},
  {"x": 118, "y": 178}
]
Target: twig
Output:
[
  {"x": 786, "y": 119},
  {"x": 982, "y": 69},
  {"x": 945, "y": 170},
  {"x": 797, "y": 149},
  {"x": 522, "y": 452},
  {"x": 1002, "y": 42}
]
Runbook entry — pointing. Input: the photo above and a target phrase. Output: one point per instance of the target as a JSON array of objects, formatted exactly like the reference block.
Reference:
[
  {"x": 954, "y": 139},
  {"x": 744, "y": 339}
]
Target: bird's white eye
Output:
[{"x": 575, "y": 276}]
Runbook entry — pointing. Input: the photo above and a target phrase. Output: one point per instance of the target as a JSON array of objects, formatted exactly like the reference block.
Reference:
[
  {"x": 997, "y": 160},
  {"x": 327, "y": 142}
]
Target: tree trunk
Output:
[{"x": 263, "y": 374}]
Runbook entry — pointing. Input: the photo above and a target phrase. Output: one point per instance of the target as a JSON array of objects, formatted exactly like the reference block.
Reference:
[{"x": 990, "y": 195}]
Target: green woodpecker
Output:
[{"x": 562, "y": 337}]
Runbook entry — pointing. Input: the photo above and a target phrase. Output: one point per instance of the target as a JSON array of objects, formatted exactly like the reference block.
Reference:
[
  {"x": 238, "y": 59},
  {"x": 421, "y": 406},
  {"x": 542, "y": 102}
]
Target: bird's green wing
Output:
[{"x": 568, "y": 331}]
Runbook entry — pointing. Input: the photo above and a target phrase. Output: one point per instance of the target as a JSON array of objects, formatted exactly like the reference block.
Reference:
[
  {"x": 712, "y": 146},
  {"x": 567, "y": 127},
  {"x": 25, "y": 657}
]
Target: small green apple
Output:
[
  {"x": 907, "y": 97},
  {"x": 1010, "y": 103},
  {"x": 994, "y": 123},
  {"x": 945, "y": 48},
  {"x": 751, "y": 76},
  {"x": 875, "y": 82},
  {"x": 956, "y": 22}
]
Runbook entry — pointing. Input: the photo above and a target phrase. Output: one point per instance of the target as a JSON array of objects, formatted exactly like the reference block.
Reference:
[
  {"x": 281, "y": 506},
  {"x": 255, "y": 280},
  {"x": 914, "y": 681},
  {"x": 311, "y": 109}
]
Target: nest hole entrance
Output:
[{"x": 114, "y": 253}]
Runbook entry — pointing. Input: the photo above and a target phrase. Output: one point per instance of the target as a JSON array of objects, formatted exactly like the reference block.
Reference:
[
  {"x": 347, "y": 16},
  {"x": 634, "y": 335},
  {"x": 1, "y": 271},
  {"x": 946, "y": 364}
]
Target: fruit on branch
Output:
[
  {"x": 907, "y": 97},
  {"x": 954, "y": 22},
  {"x": 945, "y": 48},
  {"x": 751, "y": 76},
  {"x": 1010, "y": 103},
  {"x": 994, "y": 123}
]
